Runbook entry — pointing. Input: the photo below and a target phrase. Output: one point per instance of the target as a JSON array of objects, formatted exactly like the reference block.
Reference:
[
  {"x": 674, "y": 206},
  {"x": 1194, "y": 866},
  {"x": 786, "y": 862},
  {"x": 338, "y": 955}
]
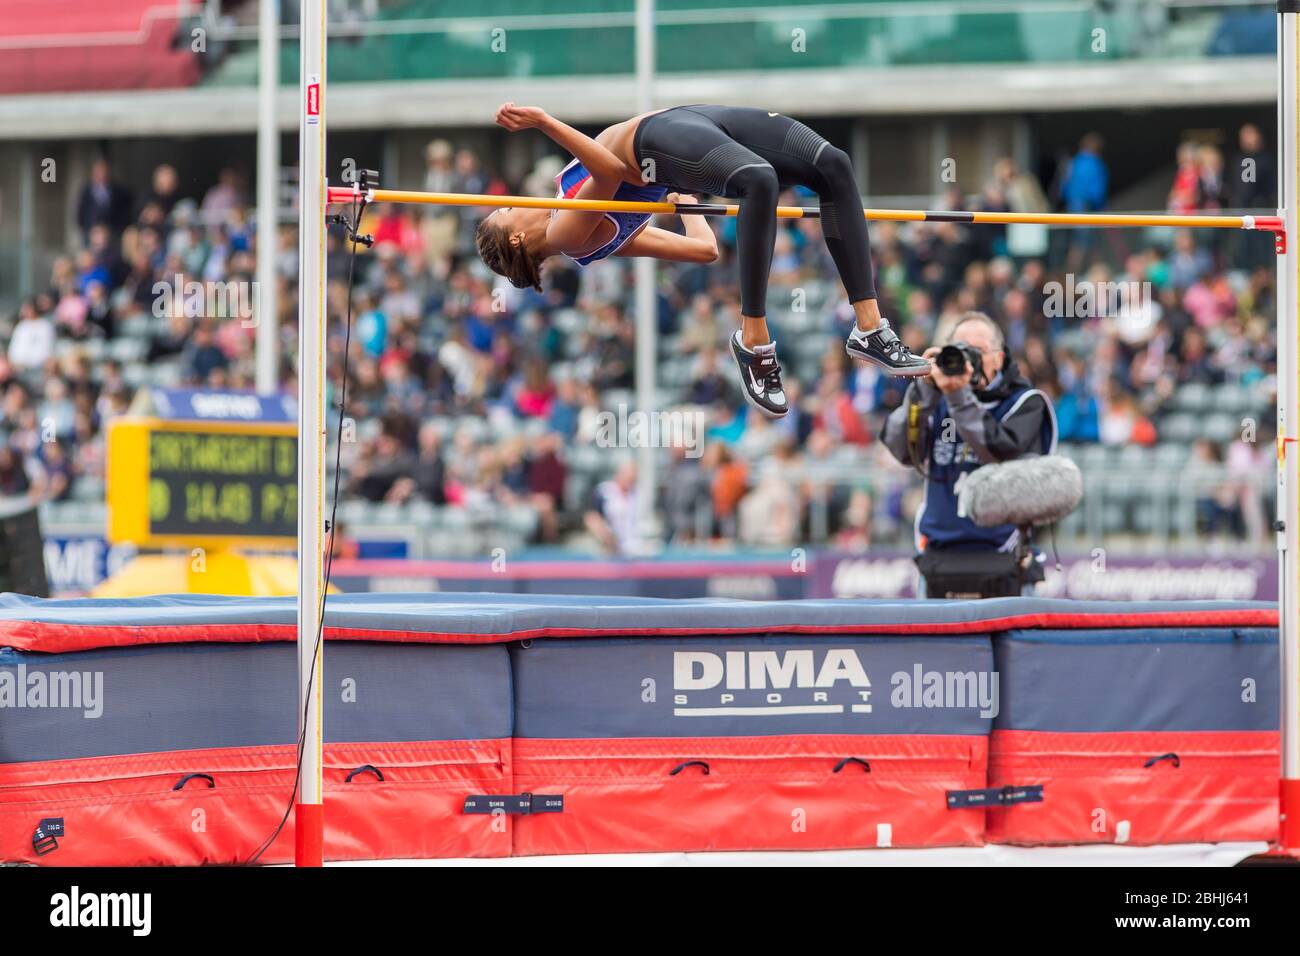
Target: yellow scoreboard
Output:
[{"x": 178, "y": 483}]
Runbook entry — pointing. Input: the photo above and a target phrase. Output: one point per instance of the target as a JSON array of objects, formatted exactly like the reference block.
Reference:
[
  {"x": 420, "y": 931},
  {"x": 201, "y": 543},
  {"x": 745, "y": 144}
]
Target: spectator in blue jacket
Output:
[
  {"x": 1083, "y": 189},
  {"x": 1086, "y": 181},
  {"x": 1077, "y": 415}
]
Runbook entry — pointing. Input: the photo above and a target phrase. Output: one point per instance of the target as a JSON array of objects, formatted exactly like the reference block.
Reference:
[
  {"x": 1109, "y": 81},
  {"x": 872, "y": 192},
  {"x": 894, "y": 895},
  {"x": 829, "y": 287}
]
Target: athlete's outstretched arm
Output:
[
  {"x": 669, "y": 246},
  {"x": 698, "y": 245},
  {"x": 600, "y": 162}
]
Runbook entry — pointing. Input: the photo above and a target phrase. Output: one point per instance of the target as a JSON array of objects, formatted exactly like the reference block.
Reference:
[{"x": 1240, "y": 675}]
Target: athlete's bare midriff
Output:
[{"x": 619, "y": 140}]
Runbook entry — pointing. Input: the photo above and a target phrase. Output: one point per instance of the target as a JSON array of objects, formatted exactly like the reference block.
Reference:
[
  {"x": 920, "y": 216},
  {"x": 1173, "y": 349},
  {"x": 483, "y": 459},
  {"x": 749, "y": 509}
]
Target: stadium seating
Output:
[{"x": 125, "y": 44}]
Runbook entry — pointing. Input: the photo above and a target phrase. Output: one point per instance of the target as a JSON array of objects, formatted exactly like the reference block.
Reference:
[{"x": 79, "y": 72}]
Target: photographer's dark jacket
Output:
[{"x": 1010, "y": 419}]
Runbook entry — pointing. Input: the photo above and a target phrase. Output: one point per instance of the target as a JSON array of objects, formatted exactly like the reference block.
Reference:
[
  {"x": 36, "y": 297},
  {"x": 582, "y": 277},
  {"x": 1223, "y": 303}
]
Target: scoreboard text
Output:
[{"x": 192, "y": 483}]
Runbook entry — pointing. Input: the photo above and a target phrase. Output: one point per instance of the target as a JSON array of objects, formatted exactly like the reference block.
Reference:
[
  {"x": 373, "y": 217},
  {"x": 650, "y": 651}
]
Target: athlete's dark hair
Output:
[{"x": 512, "y": 260}]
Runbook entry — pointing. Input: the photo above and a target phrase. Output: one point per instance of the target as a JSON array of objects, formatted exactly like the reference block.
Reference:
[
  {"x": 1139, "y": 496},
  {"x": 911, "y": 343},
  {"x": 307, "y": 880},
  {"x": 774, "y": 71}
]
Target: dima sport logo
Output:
[
  {"x": 795, "y": 681},
  {"x": 803, "y": 681}
]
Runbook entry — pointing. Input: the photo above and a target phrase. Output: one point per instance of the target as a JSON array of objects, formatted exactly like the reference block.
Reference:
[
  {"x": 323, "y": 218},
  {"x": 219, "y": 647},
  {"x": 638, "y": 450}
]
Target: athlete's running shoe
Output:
[
  {"x": 760, "y": 376},
  {"x": 881, "y": 347}
]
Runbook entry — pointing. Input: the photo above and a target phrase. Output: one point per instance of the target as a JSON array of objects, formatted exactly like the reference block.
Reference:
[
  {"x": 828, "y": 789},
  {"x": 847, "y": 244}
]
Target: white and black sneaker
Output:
[
  {"x": 881, "y": 347},
  {"x": 760, "y": 376}
]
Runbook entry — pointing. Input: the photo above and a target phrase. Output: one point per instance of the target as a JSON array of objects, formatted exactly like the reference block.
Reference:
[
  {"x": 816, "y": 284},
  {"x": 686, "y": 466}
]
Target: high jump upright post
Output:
[
  {"x": 1288, "y": 415},
  {"x": 309, "y": 810}
]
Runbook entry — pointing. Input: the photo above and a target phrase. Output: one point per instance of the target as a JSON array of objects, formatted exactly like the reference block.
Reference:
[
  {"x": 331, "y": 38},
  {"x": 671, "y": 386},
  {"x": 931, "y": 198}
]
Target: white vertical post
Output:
[
  {"x": 1288, "y": 415},
  {"x": 30, "y": 172},
  {"x": 309, "y": 811},
  {"x": 645, "y": 273},
  {"x": 267, "y": 357}
]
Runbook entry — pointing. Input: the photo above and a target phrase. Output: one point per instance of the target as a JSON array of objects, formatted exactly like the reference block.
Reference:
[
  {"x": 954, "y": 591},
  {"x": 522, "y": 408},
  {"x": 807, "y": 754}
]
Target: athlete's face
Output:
[
  {"x": 527, "y": 224},
  {"x": 507, "y": 218}
]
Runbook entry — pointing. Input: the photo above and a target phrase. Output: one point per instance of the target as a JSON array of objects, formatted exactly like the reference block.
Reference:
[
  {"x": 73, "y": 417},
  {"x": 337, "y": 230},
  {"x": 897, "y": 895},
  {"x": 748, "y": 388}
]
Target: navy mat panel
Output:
[
  {"x": 666, "y": 687},
  {"x": 502, "y": 614},
  {"x": 1167, "y": 679},
  {"x": 191, "y": 696}
]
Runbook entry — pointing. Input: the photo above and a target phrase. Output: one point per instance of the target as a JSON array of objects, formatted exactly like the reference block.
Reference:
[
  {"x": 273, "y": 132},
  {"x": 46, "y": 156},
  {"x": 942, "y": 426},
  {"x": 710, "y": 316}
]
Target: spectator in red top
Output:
[
  {"x": 397, "y": 227},
  {"x": 1185, "y": 193},
  {"x": 730, "y": 482},
  {"x": 837, "y": 414},
  {"x": 536, "y": 394},
  {"x": 1121, "y": 421}
]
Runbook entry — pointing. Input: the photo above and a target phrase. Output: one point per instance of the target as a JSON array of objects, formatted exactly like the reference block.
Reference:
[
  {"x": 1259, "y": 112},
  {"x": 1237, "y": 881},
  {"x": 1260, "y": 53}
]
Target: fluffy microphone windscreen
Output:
[{"x": 1027, "y": 491}]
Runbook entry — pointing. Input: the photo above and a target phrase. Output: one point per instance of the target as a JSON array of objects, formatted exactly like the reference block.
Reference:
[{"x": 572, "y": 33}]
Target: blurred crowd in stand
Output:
[{"x": 465, "y": 393}]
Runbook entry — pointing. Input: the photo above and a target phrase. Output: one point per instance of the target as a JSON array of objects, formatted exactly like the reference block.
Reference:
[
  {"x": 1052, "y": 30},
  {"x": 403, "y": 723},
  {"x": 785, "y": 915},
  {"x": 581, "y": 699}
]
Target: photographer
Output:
[{"x": 973, "y": 409}]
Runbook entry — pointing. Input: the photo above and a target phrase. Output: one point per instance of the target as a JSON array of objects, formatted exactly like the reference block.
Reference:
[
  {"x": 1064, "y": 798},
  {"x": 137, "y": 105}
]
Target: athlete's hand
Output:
[
  {"x": 682, "y": 199},
  {"x": 514, "y": 118}
]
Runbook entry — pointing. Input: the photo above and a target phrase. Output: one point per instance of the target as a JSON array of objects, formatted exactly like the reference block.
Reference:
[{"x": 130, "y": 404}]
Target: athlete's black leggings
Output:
[{"x": 751, "y": 155}]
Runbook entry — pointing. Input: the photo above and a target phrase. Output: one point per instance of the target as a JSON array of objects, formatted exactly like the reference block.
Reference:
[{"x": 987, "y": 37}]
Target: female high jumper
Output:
[{"x": 745, "y": 154}]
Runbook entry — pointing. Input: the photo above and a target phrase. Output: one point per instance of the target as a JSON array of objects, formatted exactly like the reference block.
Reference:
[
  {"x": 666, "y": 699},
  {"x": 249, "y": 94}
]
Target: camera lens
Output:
[{"x": 951, "y": 360}]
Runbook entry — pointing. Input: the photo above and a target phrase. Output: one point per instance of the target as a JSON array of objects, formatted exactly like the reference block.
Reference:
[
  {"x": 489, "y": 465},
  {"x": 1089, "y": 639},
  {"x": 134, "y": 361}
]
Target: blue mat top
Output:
[{"x": 36, "y": 624}]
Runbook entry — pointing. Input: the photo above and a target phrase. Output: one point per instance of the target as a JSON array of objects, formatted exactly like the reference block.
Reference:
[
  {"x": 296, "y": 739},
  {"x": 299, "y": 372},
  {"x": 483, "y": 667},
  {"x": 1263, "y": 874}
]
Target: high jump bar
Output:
[{"x": 345, "y": 194}]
